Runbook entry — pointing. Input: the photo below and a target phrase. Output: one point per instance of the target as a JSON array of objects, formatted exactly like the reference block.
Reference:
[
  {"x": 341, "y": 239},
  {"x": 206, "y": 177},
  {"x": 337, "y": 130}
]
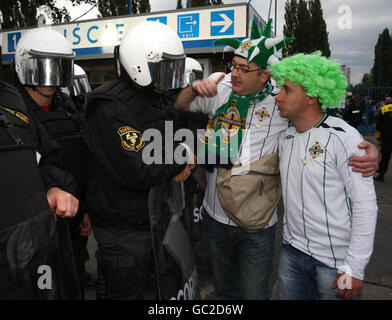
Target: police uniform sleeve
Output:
[
  {"x": 379, "y": 125},
  {"x": 51, "y": 159},
  {"x": 123, "y": 157}
]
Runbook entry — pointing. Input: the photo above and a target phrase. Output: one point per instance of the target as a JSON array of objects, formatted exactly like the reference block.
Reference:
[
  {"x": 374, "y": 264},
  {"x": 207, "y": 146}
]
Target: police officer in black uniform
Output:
[
  {"x": 384, "y": 135},
  {"x": 150, "y": 61},
  {"x": 42, "y": 68},
  {"x": 80, "y": 89},
  {"x": 352, "y": 113},
  {"x": 31, "y": 187}
]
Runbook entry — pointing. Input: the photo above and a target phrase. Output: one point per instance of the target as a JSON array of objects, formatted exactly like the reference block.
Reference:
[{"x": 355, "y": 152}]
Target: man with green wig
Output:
[
  {"x": 244, "y": 127},
  {"x": 330, "y": 212}
]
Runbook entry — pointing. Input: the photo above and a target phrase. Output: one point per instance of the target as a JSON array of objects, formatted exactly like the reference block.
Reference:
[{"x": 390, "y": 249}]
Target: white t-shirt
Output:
[
  {"x": 330, "y": 211},
  {"x": 262, "y": 129}
]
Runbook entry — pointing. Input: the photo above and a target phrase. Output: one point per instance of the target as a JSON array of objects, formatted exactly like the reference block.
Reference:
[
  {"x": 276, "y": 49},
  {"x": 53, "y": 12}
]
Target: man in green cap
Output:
[{"x": 242, "y": 108}]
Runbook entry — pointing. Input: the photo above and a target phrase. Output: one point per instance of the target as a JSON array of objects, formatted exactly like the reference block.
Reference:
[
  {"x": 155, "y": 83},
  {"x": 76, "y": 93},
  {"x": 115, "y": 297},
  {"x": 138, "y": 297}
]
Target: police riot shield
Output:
[
  {"x": 194, "y": 195},
  {"x": 174, "y": 256},
  {"x": 36, "y": 261}
]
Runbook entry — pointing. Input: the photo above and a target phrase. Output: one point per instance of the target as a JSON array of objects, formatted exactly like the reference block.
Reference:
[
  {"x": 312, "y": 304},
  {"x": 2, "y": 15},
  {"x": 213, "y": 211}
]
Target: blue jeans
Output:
[
  {"x": 301, "y": 277},
  {"x": 241, "y": 261}
]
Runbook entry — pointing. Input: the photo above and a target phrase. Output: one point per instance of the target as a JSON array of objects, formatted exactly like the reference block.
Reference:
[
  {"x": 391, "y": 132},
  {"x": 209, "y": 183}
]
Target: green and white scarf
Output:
[{"x": 224, "y": 133}]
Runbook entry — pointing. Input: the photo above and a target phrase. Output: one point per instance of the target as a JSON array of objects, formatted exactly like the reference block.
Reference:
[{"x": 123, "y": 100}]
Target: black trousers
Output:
[
  {"x": 125, "y": 257},
  {"x": 386, "y": 149}
]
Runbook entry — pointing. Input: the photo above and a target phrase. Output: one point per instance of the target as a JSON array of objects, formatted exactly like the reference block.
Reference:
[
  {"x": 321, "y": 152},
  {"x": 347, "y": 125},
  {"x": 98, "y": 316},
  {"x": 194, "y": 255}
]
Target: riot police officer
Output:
[
  {"x": 150, "y": 61},
  {"x": 80, "y": 88},
  {"x": 44, "y": 62},
  {"x": 32, "y": 184}
]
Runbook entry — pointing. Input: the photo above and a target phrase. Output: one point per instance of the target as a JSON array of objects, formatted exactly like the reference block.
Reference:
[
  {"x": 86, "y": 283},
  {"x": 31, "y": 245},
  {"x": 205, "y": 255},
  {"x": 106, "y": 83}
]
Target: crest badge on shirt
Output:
[
  {"x": 131, "y": 139},
  {"x": 316, "y": 150},
  {"x": 262, "y": 114}
]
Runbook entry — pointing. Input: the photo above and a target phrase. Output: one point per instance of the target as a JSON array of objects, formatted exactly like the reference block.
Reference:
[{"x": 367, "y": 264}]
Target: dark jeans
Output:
[
  {"x": 124, "y": 255},
  {"x": 302, "y": 277},
  {"x": 241, "y": 261},
  {"x": 386, "y": 149}
]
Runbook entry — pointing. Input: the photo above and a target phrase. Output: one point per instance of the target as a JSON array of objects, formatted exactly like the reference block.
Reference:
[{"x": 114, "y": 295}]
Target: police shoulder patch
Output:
[
  {"x": 17, "y": 114},
  {"x": 131, "y": 139}
]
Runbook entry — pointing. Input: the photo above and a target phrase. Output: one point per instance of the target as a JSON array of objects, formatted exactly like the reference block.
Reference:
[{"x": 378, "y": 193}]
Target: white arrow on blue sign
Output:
[
  {"x": 222, "y": 23},
  {"x": 188, "y": 25}
]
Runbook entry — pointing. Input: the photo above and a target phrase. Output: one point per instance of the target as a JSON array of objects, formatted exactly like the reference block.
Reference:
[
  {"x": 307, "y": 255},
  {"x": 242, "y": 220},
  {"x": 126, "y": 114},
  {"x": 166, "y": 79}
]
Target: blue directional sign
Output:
[
  {"x": 162, "y": 19},
  {"x": 188, "y": 25},
  {"x": 13, "y": 39},
  {"x": 222, "y": 23}
]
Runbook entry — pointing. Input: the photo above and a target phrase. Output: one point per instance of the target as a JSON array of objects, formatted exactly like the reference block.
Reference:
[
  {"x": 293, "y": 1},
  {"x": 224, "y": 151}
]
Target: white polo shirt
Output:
[{"x": 330, "y": 211}]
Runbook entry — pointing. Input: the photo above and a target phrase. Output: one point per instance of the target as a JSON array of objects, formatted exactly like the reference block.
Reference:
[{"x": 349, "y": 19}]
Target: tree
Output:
[
  {"x": 319, "y": 28},
  {"x": 303, "y": 29},
  {"x": 366, "y": 80},
  {"x": 291, "y": 21},
  {"x": 179, "y": 4},
  {"x": 144, "y": 6},
  {"x": 382, "y": 68},
  {"x": 115, "y": 7},
  {"x": 200, "y": 3},
  {"x": 304, "y": 20},
  {"x": 24, "y": 13},
  {"x": 108, "y": 8}
]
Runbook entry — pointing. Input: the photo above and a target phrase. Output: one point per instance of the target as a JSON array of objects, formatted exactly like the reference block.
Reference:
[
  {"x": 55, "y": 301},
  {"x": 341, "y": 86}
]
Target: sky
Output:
[{"x": 353, "y": 26}]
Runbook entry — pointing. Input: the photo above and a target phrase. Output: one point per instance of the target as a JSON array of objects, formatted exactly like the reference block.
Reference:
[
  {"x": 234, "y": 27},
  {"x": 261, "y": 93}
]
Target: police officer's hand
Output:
[
  {"x": 85, "y": 227},
  {"x": 207, "y": 87},
  {"x": 64, "y": 204},
  {"x": 367, "y": 164},
  {"x": 184, "y": 174}
]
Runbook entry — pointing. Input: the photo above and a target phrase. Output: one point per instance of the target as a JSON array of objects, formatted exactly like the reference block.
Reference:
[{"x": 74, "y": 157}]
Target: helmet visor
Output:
[
  {"x": 169, "y": 73},
  {"x": 49, "y": 70},
  {"x": 80, "y": 86},
  {"x": 193, "y": 76}
]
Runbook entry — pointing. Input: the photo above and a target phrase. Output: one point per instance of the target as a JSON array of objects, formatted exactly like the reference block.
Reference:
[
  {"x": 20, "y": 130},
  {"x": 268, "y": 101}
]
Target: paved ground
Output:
[{"x": 378, "y": 279}]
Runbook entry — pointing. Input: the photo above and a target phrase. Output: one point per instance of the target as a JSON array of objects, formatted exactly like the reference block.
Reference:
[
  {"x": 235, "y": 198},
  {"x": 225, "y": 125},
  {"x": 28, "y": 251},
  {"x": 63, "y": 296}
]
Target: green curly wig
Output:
[{"x": 318, "y": 75}]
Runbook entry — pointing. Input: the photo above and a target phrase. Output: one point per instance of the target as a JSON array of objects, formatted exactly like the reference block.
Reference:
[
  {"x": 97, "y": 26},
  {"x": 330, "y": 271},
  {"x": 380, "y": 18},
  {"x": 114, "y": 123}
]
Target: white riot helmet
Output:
[
  {"x": 80, "y": 82},
  {"x": 152, "y": 54},
  {"x": 193, "y": 71},
  {"x": 44, "y": 57}
]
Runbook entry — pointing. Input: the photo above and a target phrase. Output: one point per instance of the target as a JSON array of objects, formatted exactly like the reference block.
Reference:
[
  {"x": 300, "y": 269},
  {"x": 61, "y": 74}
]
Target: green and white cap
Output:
[{"x": 260, "y": 48}]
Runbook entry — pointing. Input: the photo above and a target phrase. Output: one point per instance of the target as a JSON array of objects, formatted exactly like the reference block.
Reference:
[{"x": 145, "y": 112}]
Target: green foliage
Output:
[
  {"x": 304, "y": 20},
  {"x": 382, "y": 68},
  {"x": 24, "y": 13},
  {"x": 143, "y": 6},
  {"x": 200, "y": 3},
  {"x": 108, "y": 8},
  {"x": 319, "y": 28},
  {"x": 302, "y": 32},
  {"x": 203, "y": 3},
  {"x": 179, "y": 4},
  {"x": 291, "y": 20},
  {"x": 367, "y": 80}
]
